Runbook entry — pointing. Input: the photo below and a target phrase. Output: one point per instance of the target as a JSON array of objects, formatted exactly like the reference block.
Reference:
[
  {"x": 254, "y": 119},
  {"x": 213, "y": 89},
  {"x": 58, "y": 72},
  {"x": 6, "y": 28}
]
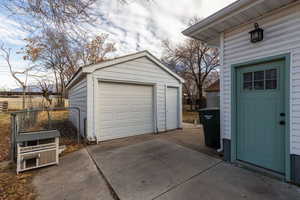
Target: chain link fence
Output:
[{"x": 35, "y": 120}]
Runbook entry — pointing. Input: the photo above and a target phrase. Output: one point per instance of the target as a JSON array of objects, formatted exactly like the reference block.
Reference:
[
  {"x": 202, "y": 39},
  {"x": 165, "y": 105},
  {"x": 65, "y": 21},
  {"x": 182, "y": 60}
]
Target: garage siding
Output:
[
  {"x": 78, "y": 98},
  {"x": 282, "y": 36},
  {"x": 142, "y": 70}
]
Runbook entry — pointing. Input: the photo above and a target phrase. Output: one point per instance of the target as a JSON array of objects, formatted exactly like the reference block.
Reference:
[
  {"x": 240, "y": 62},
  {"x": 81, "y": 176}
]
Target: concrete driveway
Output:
[
  {"x": 160, "y": 169},
  {"x": 148, "y": 169},
  {"x": 172, "y": 166}
]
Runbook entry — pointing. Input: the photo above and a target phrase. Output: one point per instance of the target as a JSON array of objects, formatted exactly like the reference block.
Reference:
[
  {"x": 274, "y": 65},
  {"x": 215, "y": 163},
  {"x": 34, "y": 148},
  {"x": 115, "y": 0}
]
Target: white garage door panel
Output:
[
  {"x": 125, "y": 110},
  {"x": 172, "y": 108}
]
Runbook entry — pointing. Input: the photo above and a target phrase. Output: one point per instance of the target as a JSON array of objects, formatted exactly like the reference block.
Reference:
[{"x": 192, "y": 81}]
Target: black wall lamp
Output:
[{"x": 257, "y": 34}]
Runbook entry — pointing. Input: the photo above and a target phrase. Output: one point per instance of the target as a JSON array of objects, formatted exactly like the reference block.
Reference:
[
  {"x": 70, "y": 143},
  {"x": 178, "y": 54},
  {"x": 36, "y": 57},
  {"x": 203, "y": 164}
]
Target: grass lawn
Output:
[{"x": 189, "y": 117}]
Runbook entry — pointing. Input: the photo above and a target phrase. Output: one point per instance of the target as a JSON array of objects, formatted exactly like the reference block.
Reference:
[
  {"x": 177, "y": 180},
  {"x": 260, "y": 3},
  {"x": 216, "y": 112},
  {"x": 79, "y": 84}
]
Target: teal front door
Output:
[{"x": 261, "y": 115}]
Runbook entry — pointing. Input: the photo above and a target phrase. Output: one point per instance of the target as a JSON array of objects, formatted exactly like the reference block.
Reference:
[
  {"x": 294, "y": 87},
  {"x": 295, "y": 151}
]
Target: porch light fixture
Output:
[{"x": 257, "y": 34}]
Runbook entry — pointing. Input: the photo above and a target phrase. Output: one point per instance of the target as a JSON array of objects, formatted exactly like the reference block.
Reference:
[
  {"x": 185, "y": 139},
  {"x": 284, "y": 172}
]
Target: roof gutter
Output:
[
  {"x": 217, "y": 16},
  {"x": 74, "y": 78}
]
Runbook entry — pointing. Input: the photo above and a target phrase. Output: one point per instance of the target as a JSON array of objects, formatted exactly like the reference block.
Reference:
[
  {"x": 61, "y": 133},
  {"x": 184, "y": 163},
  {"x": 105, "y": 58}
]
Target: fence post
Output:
[{"x": 12, "y": 138}]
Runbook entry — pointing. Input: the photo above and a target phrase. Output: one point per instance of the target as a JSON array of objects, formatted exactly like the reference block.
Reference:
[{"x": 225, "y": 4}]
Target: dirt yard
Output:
[
  {"x": 12, "y": 186},
  {"x": 5, "y": 135},
  {"x": 190, "y": 117}
]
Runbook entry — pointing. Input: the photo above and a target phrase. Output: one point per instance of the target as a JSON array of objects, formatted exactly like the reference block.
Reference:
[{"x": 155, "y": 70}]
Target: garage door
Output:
[
  {"x": 125, "y": 110},
  {"x": 172, "y": 108}
]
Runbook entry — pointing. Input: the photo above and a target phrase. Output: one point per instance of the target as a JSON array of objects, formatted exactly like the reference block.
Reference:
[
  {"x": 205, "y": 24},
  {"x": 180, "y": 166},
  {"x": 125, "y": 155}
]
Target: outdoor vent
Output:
[{"x": 37, "y": 149}]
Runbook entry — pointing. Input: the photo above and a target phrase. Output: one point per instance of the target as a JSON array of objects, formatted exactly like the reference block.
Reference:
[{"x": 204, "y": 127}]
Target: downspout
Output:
[
  {"x": 221, "y": 49},
  {"x": 94, "y": 110}
]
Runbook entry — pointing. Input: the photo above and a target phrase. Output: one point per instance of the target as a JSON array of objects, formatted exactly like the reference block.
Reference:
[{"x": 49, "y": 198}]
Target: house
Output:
[
  {"x": 259, "y": 44},
  {"x": 126, "y": 96},
  {"x": 213, "y": 95}
]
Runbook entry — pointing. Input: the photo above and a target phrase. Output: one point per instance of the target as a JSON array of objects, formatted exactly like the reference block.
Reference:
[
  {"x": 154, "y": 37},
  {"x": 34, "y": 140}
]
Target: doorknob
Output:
[
  {"x": 282, "y": 122},
  {"x": 282, "y": 114}
]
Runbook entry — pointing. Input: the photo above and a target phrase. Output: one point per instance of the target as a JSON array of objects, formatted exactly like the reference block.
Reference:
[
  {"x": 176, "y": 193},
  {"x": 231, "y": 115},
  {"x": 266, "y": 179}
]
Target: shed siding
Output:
[
  {"x": 282, "y": 35},
  {"x": 78, "y": 98},
  {"x": 142, "y": 70},
  {"x": 212, "y": 99}
]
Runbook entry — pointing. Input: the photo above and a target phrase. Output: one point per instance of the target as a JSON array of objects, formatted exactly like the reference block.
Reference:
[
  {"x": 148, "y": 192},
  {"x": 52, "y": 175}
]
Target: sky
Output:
[{"x": 135, "y": 26}]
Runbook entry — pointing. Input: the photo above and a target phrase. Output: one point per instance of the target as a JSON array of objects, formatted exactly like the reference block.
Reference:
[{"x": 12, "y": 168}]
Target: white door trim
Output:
[{"x": 178, "y": 104}]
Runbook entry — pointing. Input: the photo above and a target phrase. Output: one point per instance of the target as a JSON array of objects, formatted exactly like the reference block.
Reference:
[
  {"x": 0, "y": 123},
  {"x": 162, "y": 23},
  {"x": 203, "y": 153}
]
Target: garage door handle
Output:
[{"x": 282, "y": 122}]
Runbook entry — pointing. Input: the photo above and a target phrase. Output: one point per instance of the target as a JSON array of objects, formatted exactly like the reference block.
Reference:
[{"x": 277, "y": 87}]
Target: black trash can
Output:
[{"x": 210, "y": 119}]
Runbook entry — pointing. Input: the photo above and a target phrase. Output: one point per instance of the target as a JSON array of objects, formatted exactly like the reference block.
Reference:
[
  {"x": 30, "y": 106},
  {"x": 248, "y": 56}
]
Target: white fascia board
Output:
[
  {"x": 219, "y": 16},
  {"x": 74, "y": 79}
]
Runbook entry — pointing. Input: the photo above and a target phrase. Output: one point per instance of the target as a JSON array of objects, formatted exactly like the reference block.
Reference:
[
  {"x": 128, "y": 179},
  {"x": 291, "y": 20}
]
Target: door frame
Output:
[
  {"x": 234, "y": 67},
  {"x": 178, "y": 106}
]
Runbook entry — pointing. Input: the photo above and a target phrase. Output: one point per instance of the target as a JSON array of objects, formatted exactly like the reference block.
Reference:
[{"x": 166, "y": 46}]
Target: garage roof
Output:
[
  {"x": 237, "y": 13},
  {"x": 91, "y": 68}
]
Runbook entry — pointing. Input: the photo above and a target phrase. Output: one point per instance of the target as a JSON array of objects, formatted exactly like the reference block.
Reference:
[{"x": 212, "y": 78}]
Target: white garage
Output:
[{"x": 130, "y": 95}]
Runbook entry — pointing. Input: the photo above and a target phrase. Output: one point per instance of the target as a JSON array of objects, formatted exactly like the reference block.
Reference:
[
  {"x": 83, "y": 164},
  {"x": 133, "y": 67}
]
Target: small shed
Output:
[
  {"x": 259, "y": 44},
  {"x": 126, "y": 96},
  {"x": 213, "y": 95}
]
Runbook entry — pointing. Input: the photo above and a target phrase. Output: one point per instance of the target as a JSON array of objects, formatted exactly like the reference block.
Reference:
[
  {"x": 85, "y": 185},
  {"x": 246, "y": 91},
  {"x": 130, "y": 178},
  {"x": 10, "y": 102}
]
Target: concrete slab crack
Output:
[{"x": 111, "y": 189}]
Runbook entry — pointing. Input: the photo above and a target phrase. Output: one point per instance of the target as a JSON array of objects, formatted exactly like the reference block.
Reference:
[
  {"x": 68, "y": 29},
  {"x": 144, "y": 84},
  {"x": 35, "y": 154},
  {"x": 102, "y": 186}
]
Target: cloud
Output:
[
  {"x": 135, "y": 26},
  {"x": 10, "y": 31},
  {"x": 142, "y": 24}
]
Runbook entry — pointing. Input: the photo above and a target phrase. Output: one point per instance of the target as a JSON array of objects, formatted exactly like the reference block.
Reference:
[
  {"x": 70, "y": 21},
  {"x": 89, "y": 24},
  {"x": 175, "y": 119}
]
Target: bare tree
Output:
[
  {"x": 63, "y": 15},
  {"x": 55, "y": 52},
  {"x": 22, "y": 81},
  {"x": 96, "y": 50},
  {"x": 46, "y": 85},
  {"x": 194, "y": 61},
  {"x": 57, "y": 13}
]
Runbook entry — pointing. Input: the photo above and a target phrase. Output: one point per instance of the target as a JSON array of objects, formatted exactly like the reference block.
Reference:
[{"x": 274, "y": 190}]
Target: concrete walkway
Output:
[{"x": 76, "y": 177}]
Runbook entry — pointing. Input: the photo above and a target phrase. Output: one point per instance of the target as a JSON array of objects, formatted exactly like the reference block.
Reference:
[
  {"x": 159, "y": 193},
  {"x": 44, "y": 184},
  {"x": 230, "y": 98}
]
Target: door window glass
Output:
[
  {"x": 259, "y": 80},
  {"x": 248, "y": 81},
  {"x": 271, "y": 79}
]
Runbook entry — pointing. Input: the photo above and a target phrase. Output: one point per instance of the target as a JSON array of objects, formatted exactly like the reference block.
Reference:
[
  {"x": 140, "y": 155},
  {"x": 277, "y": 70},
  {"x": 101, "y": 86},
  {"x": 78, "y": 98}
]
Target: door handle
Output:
[
  {"x": 282, "y": 122},
  {"x": 282, "y": 114}
]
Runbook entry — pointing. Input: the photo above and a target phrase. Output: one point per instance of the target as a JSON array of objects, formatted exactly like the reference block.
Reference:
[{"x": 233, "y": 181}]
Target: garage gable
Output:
[
  {"x": 140, "y": 69},
  {"x": 144, "y": 60}
]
